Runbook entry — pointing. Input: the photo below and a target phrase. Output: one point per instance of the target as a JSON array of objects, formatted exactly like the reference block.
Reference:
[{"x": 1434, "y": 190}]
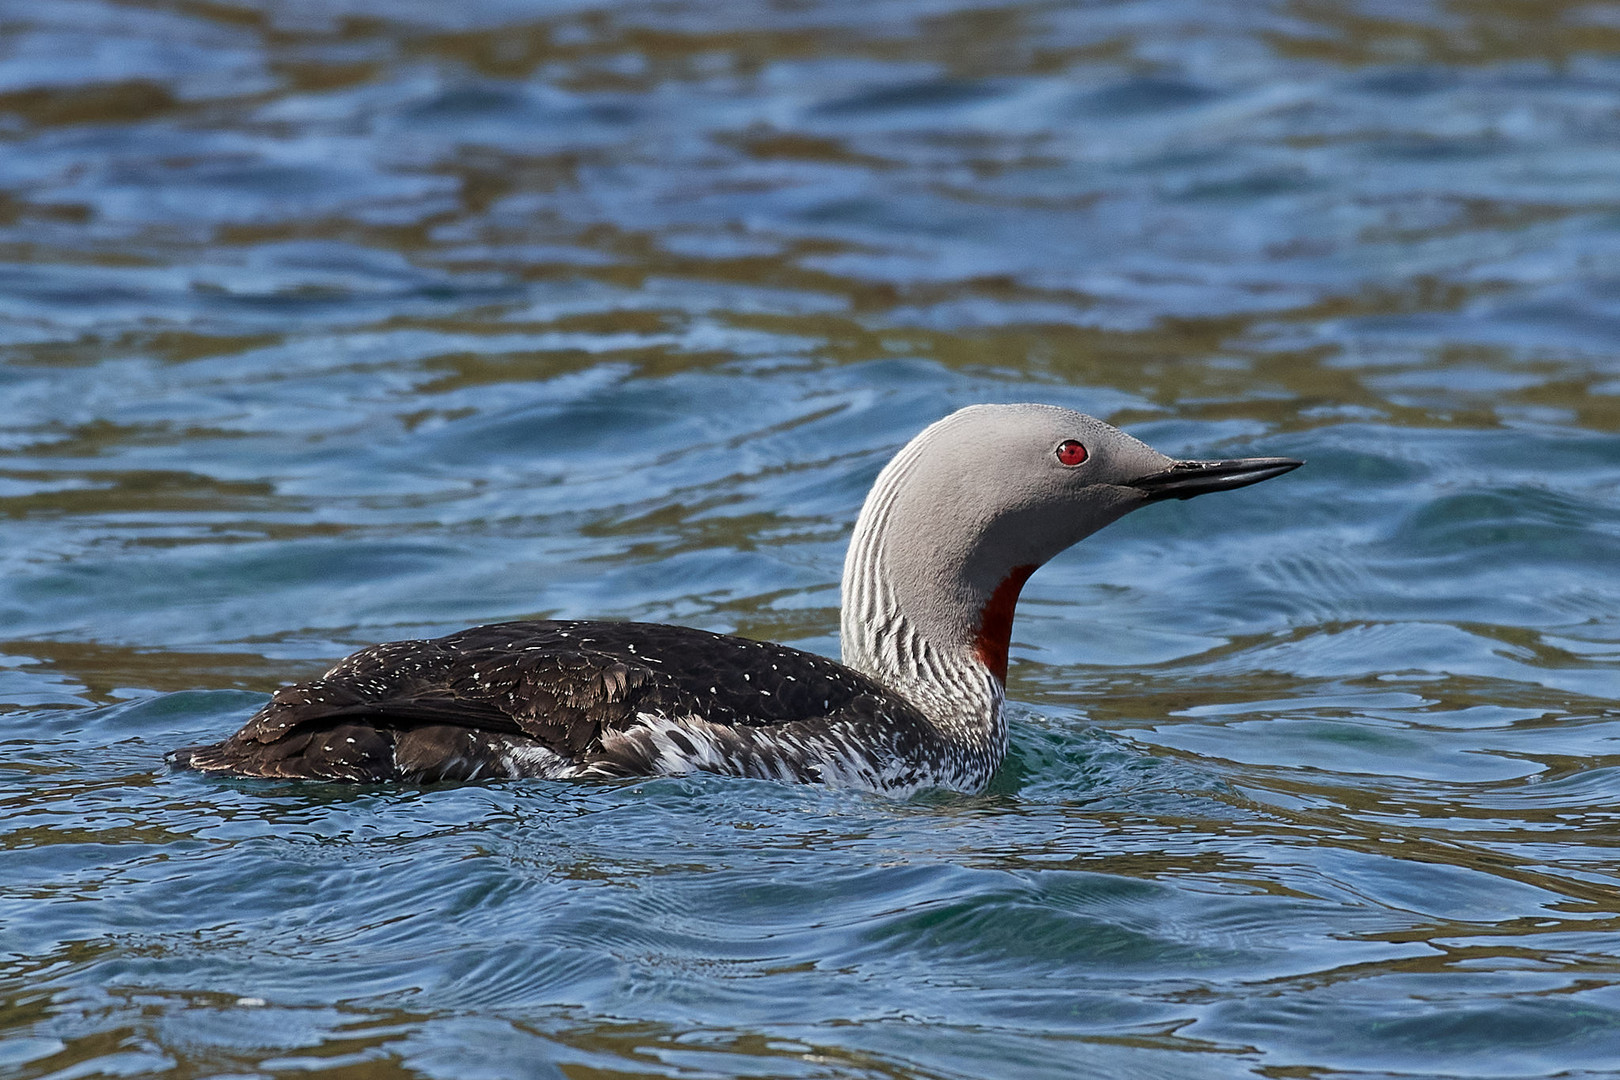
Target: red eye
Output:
[{"x": 1071, "y": 452}]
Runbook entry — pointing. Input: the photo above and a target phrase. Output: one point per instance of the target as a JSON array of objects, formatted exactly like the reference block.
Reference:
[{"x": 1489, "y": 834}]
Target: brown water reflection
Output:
[{"x": 321, "y": 327}]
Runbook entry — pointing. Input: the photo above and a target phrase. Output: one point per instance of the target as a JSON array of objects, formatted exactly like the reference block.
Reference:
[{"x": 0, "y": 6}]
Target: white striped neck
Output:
[{"x": 914, "y": 609}]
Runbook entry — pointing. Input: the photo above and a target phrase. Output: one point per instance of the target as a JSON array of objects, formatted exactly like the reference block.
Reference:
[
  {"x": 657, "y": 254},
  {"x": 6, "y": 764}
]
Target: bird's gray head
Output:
[{"x": 979, "y": 500}]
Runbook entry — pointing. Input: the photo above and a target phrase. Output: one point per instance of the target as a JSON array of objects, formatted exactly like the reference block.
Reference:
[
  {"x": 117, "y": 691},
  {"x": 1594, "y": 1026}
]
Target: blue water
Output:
[{"x": 325, "y": 324}]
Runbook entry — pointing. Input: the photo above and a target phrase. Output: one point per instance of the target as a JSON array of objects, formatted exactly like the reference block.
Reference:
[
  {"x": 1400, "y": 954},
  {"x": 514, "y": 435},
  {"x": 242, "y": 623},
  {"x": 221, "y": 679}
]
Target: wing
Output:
[{"x": 550, "y": 693}]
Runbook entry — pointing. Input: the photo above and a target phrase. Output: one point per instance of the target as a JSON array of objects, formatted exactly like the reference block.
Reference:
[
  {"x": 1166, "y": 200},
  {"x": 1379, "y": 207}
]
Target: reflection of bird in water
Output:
[{"x": 952, "y": 528}]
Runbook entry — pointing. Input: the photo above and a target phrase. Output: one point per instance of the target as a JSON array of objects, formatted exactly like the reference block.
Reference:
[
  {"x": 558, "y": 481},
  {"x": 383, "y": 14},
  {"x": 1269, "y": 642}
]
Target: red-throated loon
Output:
[{"x": 951, "y": 530}]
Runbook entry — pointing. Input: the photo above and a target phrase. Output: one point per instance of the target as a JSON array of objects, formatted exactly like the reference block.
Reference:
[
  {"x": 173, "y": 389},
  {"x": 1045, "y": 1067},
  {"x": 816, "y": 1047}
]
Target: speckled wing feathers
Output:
[{"x": 555, "y": 699}]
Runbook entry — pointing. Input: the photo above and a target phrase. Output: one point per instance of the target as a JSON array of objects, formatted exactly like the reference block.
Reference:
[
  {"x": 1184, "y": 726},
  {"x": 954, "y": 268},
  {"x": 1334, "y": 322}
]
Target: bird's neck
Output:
[
  {"x": 924, "y": 614},
  {"x": 957, "y": 680}
]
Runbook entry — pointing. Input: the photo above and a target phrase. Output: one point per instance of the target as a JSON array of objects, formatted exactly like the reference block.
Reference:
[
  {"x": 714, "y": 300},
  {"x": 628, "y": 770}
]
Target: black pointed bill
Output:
[{"x": 1185, "y": 479}]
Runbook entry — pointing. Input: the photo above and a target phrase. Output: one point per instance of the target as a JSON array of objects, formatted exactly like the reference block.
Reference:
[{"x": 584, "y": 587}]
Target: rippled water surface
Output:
[{"x": 329, "y": 323}]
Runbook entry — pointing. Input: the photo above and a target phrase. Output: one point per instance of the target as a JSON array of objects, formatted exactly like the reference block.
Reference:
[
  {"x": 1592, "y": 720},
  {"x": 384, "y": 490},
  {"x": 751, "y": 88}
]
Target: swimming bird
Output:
[{"x": 953, "y": 527}]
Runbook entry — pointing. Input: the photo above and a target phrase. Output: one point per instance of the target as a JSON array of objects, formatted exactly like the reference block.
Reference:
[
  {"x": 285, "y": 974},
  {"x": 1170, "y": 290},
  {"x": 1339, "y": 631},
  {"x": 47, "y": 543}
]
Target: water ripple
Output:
[{"x": 321, "y": 328}]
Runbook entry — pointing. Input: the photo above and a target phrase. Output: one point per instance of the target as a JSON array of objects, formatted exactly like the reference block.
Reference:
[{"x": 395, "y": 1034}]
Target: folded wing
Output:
[{"x": 550, "y": 699}]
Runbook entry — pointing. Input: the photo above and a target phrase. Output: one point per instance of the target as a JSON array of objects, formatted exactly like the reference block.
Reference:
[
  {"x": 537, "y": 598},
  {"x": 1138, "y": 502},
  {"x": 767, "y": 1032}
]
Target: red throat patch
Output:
[{"x": 995, "y": 622}]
